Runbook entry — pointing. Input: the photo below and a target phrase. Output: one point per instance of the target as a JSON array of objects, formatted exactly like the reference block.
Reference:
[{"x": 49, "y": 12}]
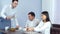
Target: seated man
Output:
[{"x": 32, "y": 21}]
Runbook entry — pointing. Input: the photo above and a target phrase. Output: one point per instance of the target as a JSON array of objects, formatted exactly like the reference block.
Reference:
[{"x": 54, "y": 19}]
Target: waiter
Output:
[{"x": 9, "y": 13}]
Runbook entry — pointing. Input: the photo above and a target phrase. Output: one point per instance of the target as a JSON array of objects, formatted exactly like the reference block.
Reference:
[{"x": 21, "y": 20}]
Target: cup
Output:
[{"x": 6, "y": 28}]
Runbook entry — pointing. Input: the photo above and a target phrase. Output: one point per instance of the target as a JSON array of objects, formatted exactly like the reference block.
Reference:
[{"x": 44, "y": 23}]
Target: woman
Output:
[{"x": 45, "y": 24}]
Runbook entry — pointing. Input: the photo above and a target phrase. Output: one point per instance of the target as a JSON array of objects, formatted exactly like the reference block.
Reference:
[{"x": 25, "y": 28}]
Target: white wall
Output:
[
  {"x": 57, "y": 11},
  {"x": 0, "y": 7}
]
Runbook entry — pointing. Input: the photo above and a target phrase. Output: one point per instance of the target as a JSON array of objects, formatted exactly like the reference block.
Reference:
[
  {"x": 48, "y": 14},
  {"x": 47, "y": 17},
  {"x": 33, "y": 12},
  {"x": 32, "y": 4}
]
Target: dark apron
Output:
[{"x": 4, "y": 23}]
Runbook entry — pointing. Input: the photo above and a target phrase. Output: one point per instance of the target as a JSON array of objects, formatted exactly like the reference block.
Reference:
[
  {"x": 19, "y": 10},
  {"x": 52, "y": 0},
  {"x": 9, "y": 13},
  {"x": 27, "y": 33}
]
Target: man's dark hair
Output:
[
  {"x": 32, "y": 13},
  {"x": 46, "y": 14},
  {"x": 14, "y": 0}
]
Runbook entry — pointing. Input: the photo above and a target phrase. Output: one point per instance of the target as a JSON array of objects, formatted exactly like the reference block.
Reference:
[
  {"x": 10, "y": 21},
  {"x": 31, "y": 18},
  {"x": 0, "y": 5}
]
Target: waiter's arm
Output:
[
  {"x": 3, "y": 12},
  {"x": 17, "y": 24}
]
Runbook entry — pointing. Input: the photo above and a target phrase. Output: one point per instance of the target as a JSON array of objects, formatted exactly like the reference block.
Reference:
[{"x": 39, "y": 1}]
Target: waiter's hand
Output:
[{"x": 8, "y": 17}]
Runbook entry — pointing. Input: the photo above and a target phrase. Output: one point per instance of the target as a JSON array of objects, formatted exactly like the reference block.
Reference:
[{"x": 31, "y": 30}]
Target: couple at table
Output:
[{"x": 34, "y": 24}]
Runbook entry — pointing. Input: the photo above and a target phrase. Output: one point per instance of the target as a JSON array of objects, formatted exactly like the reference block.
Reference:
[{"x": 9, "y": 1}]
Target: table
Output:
[{"x": 22, "y": 32}]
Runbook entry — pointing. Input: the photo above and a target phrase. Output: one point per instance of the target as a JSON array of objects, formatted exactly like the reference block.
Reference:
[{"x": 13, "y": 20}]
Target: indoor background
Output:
[{"x": 37, "y": 6}]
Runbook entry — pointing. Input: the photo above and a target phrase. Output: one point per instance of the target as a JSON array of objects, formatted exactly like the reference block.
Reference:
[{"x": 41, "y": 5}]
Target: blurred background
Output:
[{"x": 37, "y": 6}]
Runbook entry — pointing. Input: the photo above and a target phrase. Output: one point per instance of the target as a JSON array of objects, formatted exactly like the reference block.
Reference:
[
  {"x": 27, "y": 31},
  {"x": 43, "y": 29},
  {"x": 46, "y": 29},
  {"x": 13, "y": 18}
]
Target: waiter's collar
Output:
[{"x": 11, "y": 6}]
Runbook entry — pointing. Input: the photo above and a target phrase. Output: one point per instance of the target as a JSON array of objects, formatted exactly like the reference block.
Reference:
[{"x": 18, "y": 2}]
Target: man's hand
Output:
[
  {"x": 17, "y": 27},
  {"x": 30, "y": 29}
]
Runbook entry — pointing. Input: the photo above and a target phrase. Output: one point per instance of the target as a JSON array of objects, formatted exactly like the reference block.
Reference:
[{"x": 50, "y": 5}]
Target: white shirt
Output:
[
  {"x": 43, "y": 27},
  {"x": 32, "y": 23},
  {"x": 8, "y": 11}
]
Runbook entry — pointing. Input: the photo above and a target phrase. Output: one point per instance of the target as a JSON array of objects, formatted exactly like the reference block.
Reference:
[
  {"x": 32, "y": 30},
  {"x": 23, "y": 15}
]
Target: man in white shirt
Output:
[
  {"x": 9, "y": 13},
  {"x": 32, "y": 22}
]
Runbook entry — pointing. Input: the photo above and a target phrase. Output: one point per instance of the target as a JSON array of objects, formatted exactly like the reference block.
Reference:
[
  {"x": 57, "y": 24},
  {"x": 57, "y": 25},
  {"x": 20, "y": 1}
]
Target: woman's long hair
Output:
[{"x": 47, "y": 15}]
